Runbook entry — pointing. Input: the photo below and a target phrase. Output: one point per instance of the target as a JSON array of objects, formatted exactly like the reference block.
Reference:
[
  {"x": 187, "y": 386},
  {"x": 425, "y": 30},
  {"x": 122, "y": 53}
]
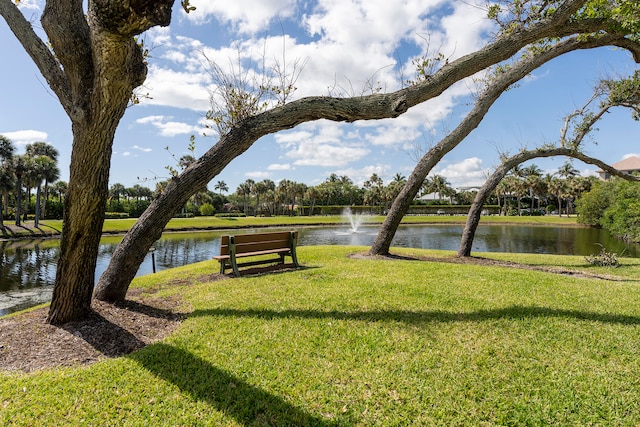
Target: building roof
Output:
[{"x": 629, "y": 164}]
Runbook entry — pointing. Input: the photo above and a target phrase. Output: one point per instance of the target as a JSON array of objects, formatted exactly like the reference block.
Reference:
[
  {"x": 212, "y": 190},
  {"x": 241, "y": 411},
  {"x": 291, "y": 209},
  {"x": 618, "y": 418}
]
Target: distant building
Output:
[{"x": 629, "y": 165}]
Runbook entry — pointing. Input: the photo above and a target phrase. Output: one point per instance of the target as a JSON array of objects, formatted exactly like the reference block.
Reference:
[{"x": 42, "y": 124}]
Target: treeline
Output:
[
  {"x": 29, "y": 182},
  {"x": 613, "y": 205},
  {"x": 525, "y": 191},
  {"x": 30, "y": 189}
]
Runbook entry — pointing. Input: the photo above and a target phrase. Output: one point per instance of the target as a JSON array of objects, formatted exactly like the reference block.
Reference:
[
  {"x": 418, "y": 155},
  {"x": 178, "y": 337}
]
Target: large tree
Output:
[
  {"x": 503, "y": 78},
  {"x": 610, "y": 94},
  {"x": 92, "y": 63},
  {"x": 547, "y": 25}
]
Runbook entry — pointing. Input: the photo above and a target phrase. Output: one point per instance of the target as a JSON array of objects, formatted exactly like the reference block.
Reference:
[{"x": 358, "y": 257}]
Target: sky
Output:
[{"x": 339, "y": 47}]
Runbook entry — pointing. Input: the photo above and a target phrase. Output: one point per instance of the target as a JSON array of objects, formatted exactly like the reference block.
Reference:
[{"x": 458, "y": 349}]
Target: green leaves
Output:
[{"x": 187, "y": 7}]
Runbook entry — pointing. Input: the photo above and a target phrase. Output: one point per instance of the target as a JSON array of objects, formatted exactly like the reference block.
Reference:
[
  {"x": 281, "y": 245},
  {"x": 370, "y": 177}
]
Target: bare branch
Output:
[{"x": 38, "y": 51}]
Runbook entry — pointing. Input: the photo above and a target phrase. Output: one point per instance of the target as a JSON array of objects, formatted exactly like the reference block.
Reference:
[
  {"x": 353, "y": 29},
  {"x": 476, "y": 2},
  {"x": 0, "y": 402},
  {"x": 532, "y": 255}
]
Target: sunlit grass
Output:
[
  {"x": 347, "y": 341},
  {"x": 212, "y": 222}
]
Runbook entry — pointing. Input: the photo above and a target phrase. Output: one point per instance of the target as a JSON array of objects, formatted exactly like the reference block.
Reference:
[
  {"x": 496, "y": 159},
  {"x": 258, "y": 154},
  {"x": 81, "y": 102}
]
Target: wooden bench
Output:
[{"x": 282, "y": 243}]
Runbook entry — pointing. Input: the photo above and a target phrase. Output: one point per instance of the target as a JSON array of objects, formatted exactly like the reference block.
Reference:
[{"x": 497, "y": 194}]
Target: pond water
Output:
[{"x": 28, "y": 268}]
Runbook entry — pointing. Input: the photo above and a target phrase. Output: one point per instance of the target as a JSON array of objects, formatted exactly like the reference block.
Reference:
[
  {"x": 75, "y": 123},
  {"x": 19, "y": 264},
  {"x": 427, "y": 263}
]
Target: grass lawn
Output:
[
  {"x": 364, "y": 342},
  {"x": 203, "y": 223}
]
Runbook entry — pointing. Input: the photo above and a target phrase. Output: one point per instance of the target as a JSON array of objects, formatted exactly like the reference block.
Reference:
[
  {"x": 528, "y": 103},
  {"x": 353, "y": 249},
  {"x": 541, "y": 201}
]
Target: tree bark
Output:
[
  {"x": 96, "y": 66},
  {"x": 401, "y": 204},
  {"x": 473, "y": 218},
  {"x": 101, "y": 88}
]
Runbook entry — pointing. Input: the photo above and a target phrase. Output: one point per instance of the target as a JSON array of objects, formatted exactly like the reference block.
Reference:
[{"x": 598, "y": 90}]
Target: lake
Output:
[{"x": 28, "y": 267}]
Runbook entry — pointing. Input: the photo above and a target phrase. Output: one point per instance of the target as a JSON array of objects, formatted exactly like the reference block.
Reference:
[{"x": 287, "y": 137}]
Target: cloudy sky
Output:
[{"x": 339, "y": 47}]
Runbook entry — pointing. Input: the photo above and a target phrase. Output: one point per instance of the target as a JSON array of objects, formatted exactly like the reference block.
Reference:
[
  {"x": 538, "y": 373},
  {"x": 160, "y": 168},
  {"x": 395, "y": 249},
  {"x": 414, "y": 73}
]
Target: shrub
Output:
[
  {"x": 116, "y": 215},
  {"x": 207, "y": 209},
  {"x": 603, "y": 259}
]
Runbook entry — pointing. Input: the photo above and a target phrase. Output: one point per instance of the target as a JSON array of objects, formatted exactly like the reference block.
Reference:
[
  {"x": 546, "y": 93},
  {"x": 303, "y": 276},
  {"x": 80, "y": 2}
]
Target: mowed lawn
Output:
[{"x": 349, "y": 341}]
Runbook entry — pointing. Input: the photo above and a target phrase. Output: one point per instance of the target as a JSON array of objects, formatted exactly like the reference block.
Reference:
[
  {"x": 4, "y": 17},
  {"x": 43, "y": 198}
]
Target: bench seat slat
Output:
[{"x": 257, "y": 244}]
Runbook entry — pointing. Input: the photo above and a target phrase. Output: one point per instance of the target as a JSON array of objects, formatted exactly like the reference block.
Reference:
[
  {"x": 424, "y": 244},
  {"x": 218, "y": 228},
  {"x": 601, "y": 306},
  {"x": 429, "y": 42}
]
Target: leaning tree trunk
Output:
[
  {"x": 484, "y": 102},
  {"x": 473, "y": 218}
]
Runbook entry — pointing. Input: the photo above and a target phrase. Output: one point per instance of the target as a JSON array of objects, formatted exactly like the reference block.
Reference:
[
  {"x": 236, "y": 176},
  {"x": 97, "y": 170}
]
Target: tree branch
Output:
[{"x": 38, "y": 51}]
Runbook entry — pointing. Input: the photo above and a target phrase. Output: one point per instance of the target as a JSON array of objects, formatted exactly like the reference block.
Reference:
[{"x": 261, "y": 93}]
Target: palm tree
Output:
[
  {"x": 19, "y": 167},
  {"x": 43, "y": 167},
  {"x": 116, "y": 191},
  {"x": 532, "y": 175},
  {"x": 399, "y": 178},
  {"x": 312, "y": 194},
  {"x": 374, "y": 190},
  {"x": 6, "y": 184},
  {"x": 46, "y": 170},
  {"x": 259, "y": 188},
  {"x": 7, "y": 150},
  {"x": 567, "y": 170},
  {"x": 221, "y": 186},
  {"x": 186, "y": 161},
  {"x": 436, "y": 184},
  {"x": 557, "y": 187},
  {"x": 60, "y": 188},
  {"x": 244, "y": 190},
  {"x": 284, "y": 190}
]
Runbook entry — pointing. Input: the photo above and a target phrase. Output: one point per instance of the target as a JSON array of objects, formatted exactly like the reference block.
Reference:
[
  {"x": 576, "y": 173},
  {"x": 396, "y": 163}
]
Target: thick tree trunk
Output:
[
  {"x": 102, "y": 72},
  {"x": 84, "y": 217}
]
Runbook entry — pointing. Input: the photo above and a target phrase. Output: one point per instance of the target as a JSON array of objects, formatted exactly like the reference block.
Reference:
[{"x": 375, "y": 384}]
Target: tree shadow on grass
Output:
[
  {"x": 247, "y": 404},
  {"x": 423, "y": 317}
]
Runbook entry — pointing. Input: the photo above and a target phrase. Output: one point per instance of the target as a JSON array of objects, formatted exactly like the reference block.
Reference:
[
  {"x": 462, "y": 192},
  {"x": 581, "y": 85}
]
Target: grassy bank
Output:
[
  {"x": 119, "y": 226},
  {"x": 367, "y": 342}
]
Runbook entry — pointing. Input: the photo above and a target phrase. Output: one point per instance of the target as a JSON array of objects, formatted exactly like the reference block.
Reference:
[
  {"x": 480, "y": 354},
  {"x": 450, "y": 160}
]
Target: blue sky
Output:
[{"x": 344, "y": 44}]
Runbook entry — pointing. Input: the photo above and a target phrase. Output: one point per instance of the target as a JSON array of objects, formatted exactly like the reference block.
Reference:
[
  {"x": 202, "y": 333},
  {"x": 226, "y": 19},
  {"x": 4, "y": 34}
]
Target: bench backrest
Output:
[{"x": 257, "y": 242}]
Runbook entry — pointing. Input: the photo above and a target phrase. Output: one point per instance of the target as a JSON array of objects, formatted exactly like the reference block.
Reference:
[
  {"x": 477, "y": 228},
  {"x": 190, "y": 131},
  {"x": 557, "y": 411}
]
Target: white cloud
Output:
[
  {"x": 311, "y": 154},
  {"x": 626, "y": 156},
  {"x": 247, "y": 16},
  {"x": 279, "y": 167},
  {"x": 257, "y": 175},
  {"x": 24, "y": 137},
  {"x": 322, "y": 143},
  {"x": 176, "y": 89},
  {"x": 392, "y": 135},
  {"x": 168, "y": 127},
  {"x": 30, "y": 5},
  {"x": 468, "y": 172},
  {"x": 360, "y": 175},
  {"x": 143, "y": 149}
]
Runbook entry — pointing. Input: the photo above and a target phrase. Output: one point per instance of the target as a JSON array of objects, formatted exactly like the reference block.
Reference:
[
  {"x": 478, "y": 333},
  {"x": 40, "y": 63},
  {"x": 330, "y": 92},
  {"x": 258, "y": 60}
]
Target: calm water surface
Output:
[{"x": 27, "y": 268}]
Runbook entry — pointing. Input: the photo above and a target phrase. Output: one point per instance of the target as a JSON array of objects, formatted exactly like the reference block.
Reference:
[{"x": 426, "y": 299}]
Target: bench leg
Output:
[
  {"x": 294, "y": 258},
  {"x": 222, "y": 266},
  {"x": 234, "y": 264}
]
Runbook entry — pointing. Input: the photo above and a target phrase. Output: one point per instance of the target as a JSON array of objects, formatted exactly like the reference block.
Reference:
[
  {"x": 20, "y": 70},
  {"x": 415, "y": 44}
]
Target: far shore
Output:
[{"x": 53, "y": 228}]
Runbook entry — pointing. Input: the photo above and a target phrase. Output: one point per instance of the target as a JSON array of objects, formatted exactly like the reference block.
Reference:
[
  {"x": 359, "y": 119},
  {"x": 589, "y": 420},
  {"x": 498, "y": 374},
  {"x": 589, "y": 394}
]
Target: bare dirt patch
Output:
[{"x": 28, "y": 343}]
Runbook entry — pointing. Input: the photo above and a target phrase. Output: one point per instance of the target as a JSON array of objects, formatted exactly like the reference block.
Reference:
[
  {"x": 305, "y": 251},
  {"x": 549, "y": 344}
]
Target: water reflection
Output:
[{"x": 27, "y": 268}]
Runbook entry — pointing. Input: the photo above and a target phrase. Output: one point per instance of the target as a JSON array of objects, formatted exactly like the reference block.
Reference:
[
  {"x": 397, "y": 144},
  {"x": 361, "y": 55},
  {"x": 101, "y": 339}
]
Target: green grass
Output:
[
  {"x": 367, "y": 342},
  {"x": 204, "y": 223}
]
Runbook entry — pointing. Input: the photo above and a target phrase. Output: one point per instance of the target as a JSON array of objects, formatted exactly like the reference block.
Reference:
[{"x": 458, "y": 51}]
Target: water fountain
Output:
[{"x": 354, "y": 220}]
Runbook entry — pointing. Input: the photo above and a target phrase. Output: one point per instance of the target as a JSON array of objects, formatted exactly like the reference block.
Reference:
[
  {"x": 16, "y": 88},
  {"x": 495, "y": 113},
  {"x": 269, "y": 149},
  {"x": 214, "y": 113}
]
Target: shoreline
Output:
[{"x": 27, "y": 230}]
